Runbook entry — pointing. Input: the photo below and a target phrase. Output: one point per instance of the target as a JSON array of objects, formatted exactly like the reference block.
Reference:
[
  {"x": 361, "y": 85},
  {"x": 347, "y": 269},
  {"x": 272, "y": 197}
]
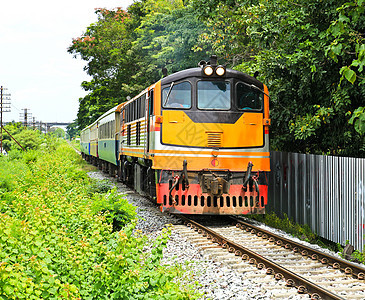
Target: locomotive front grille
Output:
[
  {"x": 221, "y": 201},
  {"x": 214, "y": 139}
]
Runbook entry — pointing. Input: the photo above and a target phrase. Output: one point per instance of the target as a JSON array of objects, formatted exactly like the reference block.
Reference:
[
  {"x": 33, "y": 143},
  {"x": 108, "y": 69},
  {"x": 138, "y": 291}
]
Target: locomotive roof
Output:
[{"x": 197, "y": 72}]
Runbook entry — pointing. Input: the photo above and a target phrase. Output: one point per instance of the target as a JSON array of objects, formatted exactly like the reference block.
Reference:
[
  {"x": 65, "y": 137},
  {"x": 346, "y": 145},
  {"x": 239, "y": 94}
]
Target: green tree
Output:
[
  {"x": 303, "y": 50},
  {"x": 104, "y": 47},
  {"x": 126, "y": 51},
  {"x": 12, "y": 129},
  {"x": 58, "y": 132},
  {"x": 347, "y": 40},
  {"x": 72, "y": 130},
  {"x": 168, "y": 38},
  {"x": 358, "y": 120},
  {"x": 29, "y": 139}
]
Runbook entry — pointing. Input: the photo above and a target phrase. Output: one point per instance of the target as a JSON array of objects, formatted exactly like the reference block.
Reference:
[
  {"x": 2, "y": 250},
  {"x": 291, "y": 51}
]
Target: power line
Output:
[{"x": 15, "y": 107}]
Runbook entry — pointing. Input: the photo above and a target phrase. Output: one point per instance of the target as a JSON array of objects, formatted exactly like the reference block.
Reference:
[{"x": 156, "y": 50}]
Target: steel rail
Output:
[
  {"x": 345, "y": 266},
  {"x": 292, "y": 280}
]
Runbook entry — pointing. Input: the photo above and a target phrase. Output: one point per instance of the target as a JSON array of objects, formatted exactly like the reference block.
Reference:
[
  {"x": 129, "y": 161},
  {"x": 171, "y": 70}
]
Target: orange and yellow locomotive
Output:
[{"x": 197, "y": 141}]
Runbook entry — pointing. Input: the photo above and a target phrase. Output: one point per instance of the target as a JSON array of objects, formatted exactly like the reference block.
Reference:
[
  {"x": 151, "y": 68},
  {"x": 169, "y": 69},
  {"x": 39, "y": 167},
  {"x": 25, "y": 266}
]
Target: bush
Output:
[
  {"x": 28, "y": 139},
  {"x": 116, "y": 209},
  {"x": 99, "y": 186},
  {"x": 57, "y": 239}
]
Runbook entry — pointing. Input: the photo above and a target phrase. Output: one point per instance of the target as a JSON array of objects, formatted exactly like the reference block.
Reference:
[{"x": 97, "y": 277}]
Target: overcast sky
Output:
[{"x": 35, "y": 66}]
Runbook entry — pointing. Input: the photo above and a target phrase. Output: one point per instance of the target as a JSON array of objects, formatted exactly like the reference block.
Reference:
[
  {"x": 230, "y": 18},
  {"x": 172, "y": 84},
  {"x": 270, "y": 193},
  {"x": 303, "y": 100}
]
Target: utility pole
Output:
[
  {"x": 4, "y": 107},
  {"x": 25, "y": 116}
]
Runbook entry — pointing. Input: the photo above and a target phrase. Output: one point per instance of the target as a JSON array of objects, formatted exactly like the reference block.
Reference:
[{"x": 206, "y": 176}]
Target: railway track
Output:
[
  {"x": 269, "y": 257},
  {"x": 301, "y": 269}
]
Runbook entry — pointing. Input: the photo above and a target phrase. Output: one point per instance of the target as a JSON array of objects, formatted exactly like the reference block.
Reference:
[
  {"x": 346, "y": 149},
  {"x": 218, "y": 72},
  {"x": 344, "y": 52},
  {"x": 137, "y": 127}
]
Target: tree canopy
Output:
[
  {"x": 311, "y": 55},
  {"x": 126, "y": 51},
  {"x": 14, "y": 134}
]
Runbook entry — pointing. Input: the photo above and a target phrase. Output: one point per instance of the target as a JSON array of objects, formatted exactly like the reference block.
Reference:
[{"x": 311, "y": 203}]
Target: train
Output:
[{"x": 194, "y": 142}]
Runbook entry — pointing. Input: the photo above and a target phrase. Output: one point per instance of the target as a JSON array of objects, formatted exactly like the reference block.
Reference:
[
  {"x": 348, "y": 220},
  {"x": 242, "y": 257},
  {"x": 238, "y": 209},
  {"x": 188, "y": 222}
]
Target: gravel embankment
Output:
[{"x": 216, "y": 281}]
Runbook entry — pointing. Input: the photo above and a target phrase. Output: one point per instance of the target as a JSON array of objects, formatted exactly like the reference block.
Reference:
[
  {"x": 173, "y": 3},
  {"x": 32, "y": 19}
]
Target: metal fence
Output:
[{"x": 325, "y": 192}]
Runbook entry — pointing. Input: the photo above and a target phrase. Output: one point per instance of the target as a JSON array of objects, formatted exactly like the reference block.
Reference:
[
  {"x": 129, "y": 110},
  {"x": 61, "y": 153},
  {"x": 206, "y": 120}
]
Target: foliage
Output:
[
  {"x": 310, "y": 54},
  {"x": 99, "y": 186},
  {"x": 28, "y": 139},
  {"x": 348, "y": 40},
  {"x": 56, "y": 243},
  {"x": 58, "y": 132},
  {"x": 72, "y": 130},
  {"x": 304, "y": 233},
  {"x": 116, "y": 208},
  {"x": 358, "y": 119},
  {"x": 301, "y": 231},
  {"x": 167, "y": 37},
  {"x": 105, "y": 199},
  {"x": 104, "y": 47},
  {"x": 75, "y": 143},
  {"x": 15, "y": 134},
  {"x": 356, "y": 256},
  {"x": 12, "y": 129},
  {"x": 126, "y": 51}
]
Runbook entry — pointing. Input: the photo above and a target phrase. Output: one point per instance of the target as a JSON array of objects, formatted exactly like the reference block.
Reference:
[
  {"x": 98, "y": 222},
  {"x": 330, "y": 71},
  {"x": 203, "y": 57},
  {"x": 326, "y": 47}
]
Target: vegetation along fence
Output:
[{"x": 325, "y": 192}]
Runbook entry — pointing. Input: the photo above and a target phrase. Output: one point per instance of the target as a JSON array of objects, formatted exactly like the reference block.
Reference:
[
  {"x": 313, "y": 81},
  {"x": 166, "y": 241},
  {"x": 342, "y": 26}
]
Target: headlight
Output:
[
  {"x": 208, "y": 70},
  {"x": 220, "y": 71}
]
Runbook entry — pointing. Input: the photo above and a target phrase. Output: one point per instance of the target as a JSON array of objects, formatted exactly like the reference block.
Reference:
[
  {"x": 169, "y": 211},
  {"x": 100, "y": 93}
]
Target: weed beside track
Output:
[{"x": 57, "y": 238}]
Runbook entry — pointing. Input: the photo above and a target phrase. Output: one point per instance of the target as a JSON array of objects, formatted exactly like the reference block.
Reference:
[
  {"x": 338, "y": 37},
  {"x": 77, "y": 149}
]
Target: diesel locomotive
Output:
[{"x": 196, "y": 142}]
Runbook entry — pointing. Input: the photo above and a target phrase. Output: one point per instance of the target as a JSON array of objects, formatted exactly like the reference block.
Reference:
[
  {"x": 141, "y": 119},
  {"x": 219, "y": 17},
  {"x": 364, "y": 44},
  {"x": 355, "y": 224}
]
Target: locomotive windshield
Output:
[
  {"x": 248, "y": 98},
  {"x": 177, "y": 95},
  {"x": 214, "y": 95}
]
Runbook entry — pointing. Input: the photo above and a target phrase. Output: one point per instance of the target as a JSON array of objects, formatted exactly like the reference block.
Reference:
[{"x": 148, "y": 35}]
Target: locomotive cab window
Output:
[
  {"x": 177, "y": 95},
  {"x": 248, "y": 98},
  {"x": 214, "y": 95}
]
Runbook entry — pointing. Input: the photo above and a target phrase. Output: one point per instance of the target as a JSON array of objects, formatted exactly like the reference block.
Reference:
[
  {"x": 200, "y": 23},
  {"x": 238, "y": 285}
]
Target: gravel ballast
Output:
[{"x": 216, "y": 281}]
